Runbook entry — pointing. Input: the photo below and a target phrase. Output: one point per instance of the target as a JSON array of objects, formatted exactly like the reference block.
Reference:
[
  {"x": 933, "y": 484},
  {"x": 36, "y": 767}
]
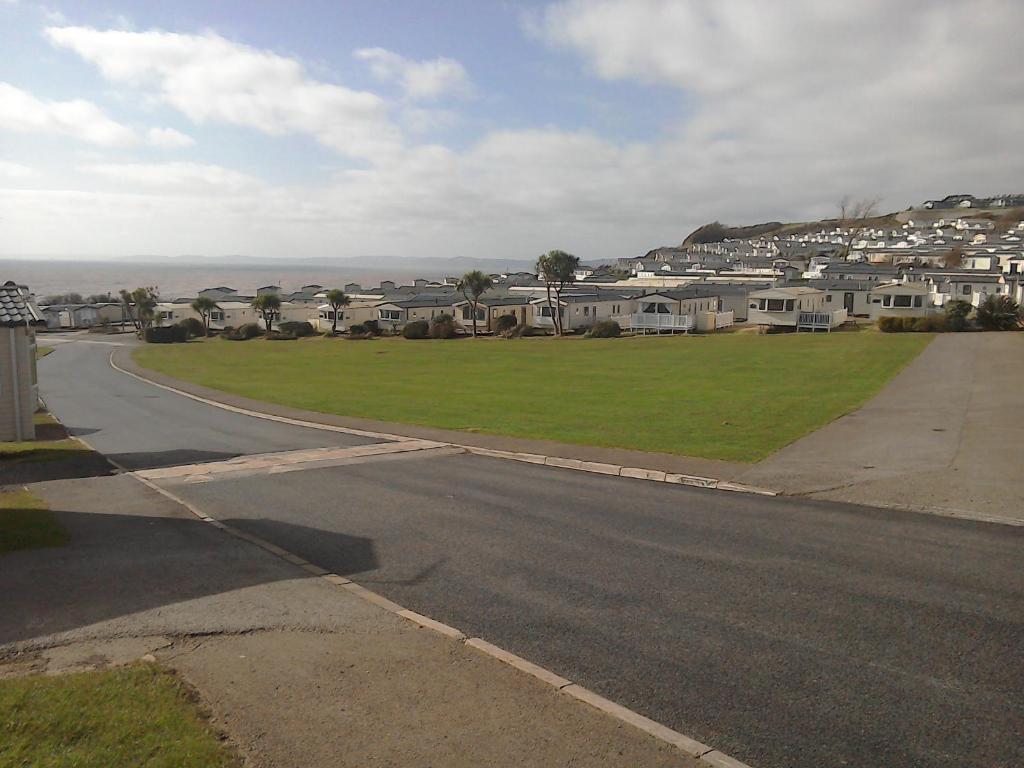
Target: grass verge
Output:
[
  {"x": 27, "y": 523},
  {"x": 51, "y": 444},
  {"x": 735, "y": 397},
  {"x": 130, "y": 716}
]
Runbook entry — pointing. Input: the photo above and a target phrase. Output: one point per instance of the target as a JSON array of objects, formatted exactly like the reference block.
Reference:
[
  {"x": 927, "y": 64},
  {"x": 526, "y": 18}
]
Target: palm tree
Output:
[
  {"x": 204, "y": 306},
  {"x": 268, "y": 305},
  {"x": 998, "y": 312},
  {"x": 557, "y": 269},
  {"x": 337, "y": 299},
  {"x": 473, "y": 285}
]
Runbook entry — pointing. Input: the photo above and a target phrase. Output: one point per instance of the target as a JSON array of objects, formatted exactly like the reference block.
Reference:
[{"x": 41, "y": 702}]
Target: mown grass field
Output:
[
  {"x": 132, "y": 716},
  {"x": 735, "y": 397}
]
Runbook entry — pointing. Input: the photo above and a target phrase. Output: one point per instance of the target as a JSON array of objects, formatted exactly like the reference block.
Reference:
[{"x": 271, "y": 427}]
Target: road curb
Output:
[
  {"x": 579, "y": 465},
  {"x": 617, "y": 470}
]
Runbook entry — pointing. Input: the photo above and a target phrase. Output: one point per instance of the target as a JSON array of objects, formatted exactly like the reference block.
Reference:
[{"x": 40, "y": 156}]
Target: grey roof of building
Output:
[
  {"x": 842, "y": 285},
  {"x": 423, "y": 301},
  {"x": 859, "y": 266},
  {"x": 17, "y": 307}
]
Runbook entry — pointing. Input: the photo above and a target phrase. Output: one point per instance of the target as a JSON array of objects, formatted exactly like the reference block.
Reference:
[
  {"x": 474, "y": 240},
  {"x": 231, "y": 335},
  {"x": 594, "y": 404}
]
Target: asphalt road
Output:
[
  {"x": 142, "y": 426},
  {"x": 785, "y": 632}
]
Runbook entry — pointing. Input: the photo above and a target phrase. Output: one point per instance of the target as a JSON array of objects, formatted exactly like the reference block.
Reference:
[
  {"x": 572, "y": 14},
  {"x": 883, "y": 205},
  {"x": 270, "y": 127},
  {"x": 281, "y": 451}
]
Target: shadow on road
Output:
[{"x": 117, "y": 565}]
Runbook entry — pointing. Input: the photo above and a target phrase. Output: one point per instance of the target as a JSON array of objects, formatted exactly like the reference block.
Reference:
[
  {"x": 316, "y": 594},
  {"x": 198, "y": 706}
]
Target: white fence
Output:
[
  {"x": 650, "y": 321},
  {"x": 821, "y": 320},
  {"x": 724, "y": 319}
]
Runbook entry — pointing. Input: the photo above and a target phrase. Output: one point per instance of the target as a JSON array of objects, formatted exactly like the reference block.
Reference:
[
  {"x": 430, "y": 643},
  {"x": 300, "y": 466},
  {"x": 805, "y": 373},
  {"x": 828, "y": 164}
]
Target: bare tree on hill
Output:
[{"x": 853, "y": 217}]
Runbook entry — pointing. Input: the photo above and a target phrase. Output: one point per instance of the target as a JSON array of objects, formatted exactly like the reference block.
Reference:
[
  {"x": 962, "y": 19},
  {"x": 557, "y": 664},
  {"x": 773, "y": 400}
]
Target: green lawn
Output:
[
  {"x": 733, "y": 396},
  {"x": 27, "y": 523},
  {"x": 132, "y": 716}
]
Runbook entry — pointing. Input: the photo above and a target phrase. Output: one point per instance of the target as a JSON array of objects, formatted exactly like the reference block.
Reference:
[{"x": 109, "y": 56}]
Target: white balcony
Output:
[
  {"x": 650, "y": 321},
  {"x": 821, "y": 321}
]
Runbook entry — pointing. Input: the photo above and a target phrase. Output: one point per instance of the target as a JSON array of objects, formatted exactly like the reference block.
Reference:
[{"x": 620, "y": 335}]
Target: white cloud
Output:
[
  {"x": 174, "y": 176},
  {"x": 12, "y": 170},
  {"x": 80, "y": 119},
  {"x": 211, "y": 79},
  {"x": 793, "y": 103},
  {"x": 428, "y": 79},
  {"x": 168, "y": 138}
]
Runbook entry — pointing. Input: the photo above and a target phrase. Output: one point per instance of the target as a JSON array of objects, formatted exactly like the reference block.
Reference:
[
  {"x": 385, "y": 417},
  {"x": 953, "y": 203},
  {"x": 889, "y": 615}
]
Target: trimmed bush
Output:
[
  {"x": 357, "y": 330},
  {"x": 925, "y": 324},
  {"x": 417, "y": 329},
  {"x": 249, "y": 331},
  {"x": 170, "y": 334},
  {"x": 371, "y": 327},
  {"x": 193, "y": 327},
  {"x": 505, "y": 323},
  {"x": 605, "y": 329},
  {"x": 297, "y": 328},
  {"x": 278, "y": 336},
  {"x": 442, "y": 327},
  {"x": 930, "y": 324}
]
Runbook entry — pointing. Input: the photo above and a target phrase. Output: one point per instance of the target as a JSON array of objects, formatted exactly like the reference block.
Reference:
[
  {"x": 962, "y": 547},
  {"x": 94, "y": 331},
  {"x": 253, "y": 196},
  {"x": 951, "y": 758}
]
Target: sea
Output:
[{"x": 48, "y": 277}]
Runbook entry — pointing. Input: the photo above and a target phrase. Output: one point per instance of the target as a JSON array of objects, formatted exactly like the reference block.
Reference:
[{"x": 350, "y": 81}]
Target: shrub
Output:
[
  {"x": 605, "y": 329},
  {"x": 956, "y": 314},
  {"x": 249, "y": 331},
  {"x": 279, "y": 336},
  {"x": 417, "y": 329},
  {"x": 357, "y": 330},
  {"x": 442, "y": 327},
  {"x": 297, "y": 328},
  {"x": 998, "y": 313},
  {"x": 930, "y": 324},
  {"x": 890, "y": 324},
  {"x": 371, "y": 327},
  {"x": 170, "y": 334},
  {"x": 193, "y": 327},
  {"x": 505, "y": 323},
  {"x": 581, "y": 330}
]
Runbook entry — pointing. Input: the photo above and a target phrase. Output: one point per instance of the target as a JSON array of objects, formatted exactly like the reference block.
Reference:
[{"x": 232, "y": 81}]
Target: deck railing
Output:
[{"x": 650, "y": 321}]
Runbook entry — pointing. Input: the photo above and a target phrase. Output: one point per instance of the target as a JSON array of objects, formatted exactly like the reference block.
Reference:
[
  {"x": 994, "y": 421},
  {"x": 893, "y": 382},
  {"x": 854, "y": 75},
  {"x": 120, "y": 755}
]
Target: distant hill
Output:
[{"x": 716, "y": 232}]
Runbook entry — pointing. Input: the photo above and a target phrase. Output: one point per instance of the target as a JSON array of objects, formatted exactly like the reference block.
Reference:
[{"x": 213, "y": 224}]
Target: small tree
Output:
[
  {"x": 268, "y": 305},
  {"x": 956, "y": 314},
  {"x": 853, "y": 216},
  {"x": 140, "y": 306},
  {"x": 204, "y": 306},
  {"x": 955, "y": 257},
  {"x": 998, "y": 312},
  {"x": 337, "y": 299},
  {"x": 557, "y": 269},
  {"x": 472, "y": 286}
]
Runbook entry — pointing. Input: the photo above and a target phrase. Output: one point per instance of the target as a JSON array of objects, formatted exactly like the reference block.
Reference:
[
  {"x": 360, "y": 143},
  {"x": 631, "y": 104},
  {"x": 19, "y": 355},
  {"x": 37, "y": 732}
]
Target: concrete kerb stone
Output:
[
  {"x": 556, "y": 681},
  {"x": 685, "y": 744},
  {"x": 429, "y": 623}
]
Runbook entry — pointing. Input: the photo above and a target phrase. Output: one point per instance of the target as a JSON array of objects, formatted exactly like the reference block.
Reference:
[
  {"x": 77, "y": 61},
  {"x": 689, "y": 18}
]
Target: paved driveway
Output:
[{"x": 945, "y": 434}]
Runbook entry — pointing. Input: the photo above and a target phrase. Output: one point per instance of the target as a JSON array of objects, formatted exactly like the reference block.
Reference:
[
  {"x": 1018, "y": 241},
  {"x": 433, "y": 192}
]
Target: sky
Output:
[{"x": 487, "y": 128}]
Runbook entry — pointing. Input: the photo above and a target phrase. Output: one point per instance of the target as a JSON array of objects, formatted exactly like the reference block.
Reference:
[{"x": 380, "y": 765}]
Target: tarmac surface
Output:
[{"x": 140, "y": 426}]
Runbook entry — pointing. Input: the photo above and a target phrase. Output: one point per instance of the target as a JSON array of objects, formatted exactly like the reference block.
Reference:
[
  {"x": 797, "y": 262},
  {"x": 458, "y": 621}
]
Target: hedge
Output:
[{"x": 168, "y": 334}]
